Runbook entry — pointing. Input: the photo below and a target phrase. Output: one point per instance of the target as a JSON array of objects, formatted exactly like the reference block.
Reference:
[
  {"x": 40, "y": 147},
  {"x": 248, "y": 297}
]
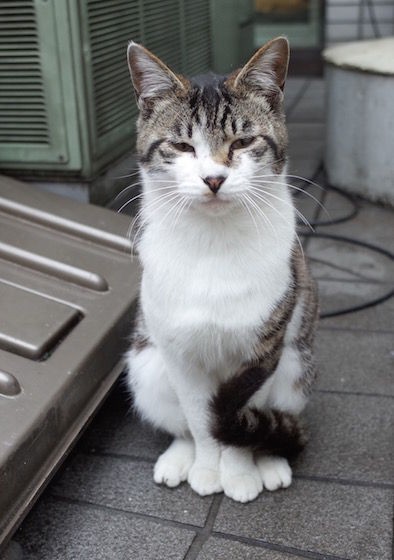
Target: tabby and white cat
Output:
[{"x": 221, "y": 356}]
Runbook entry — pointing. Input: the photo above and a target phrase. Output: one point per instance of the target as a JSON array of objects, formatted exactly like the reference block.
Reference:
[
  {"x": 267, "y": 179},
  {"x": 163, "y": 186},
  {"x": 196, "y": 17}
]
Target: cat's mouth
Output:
[
  {"x": 215, "y": 200},
  {"x": 215, "y": 204}
]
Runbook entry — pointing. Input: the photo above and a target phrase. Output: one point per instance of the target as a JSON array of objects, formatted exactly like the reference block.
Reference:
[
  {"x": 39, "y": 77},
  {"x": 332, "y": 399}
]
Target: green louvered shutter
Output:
[
  {"x": 66, "y": 102},
  {"x": 31, "y": 116},
  {"x": 197, "y": 36},
  {"x": 162, "y": 30},
  {"x": 178, "y": 31},
  {"x": 109, "y": 28}
]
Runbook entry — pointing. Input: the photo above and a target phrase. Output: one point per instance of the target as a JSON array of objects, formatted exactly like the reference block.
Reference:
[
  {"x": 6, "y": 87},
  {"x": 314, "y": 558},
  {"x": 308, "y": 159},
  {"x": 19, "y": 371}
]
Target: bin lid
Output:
[
  {"x": 375, "y": 56},
  {"x": 68, "y": 285}
]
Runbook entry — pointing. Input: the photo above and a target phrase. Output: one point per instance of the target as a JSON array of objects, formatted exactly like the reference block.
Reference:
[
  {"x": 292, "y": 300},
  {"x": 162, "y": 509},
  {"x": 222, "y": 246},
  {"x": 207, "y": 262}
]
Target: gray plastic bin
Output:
[{"x": 68, "y": 285}]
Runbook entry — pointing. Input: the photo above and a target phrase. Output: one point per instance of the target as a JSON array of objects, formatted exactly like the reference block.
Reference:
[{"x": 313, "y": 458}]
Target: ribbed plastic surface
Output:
[{"x": 67, "y": 291}]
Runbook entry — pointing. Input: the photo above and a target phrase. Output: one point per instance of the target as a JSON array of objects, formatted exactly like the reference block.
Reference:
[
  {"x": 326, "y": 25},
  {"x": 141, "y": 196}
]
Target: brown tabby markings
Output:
[
  {"x": 272, "y": 430},
  {"x": 223, "y": 113}
]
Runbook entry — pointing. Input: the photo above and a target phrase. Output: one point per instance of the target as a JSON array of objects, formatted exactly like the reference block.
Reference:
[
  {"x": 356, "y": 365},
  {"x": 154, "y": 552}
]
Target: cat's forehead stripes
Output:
[{"x": 210, "y": 114}]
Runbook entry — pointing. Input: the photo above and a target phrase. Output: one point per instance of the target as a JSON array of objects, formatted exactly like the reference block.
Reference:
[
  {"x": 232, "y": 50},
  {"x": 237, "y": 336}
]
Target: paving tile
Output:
[
  {"x": 301, "y": 132},
  {"x": 316, "y": 87},
  {"x": 348, "y": 521},
  {"x": 304, "y": 166},
  {"x": 343, "y": 210},
  {"x": 339, "y": 260},
  {"x": 306, "y": 202},
  {"x": 308, "y": 110},
  {"x": 355, "y": 361},
  {"x": 116, "y": 429},
  {"x": 222, "y": 549},
  {"x": 312, "y": 98},
  {"x": 306, "y": 149},
  {"x": 339, "y": 295},
  {"x": 61, "y": 531},
  {"x": 294, "y": 86},
  {"x": 373, "y": 224},
  {"x": 351, "y": 437},
  {"x": 377, "y": 318},
  {"x": 128, "y": 485},
  {"x": 293, "y": 89}
]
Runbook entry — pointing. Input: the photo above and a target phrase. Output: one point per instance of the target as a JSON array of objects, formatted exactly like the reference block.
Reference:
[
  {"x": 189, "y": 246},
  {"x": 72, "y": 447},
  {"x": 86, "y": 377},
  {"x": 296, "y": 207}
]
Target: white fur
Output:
[
  {"x": 210, "y": 279},
  {"x": 275, "y": 472},
  {"x": 239, "y": 475},
  {"x": 173, "y": 466}
]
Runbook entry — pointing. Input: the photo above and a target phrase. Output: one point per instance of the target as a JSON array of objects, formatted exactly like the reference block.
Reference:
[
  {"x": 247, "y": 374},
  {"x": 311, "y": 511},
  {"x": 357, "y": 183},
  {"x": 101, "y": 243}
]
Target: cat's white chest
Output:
[{"x": 207, "y": 308}]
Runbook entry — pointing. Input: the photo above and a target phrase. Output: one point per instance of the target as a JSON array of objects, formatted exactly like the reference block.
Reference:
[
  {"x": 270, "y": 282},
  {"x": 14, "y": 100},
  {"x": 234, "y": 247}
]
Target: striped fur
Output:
[{"x": 270, "y": 431}]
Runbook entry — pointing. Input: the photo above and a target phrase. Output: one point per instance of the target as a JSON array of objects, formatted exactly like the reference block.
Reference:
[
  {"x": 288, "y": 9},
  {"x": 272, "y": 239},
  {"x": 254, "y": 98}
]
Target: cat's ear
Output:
[
  {"x": 267, "y": 69},
  {"x": 150, "y": 76}
]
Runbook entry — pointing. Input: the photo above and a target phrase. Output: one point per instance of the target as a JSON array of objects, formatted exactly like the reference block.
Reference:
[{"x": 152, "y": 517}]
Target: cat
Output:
[{"x": 221, "y": 356}]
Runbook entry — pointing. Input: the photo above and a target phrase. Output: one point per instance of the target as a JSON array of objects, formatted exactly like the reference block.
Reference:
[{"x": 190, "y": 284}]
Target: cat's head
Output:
[{"x": 210, "y": 140}]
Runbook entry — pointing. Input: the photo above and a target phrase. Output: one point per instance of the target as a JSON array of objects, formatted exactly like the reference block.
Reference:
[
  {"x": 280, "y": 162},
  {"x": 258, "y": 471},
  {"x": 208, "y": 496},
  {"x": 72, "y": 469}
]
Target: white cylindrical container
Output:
[{"x": 360, "y": 118}]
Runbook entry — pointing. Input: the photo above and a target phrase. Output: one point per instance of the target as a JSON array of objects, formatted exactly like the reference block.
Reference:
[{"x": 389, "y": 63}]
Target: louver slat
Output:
[
  {"x": 162, "y": 30},
  {"x": 21, "y": 94},
  {"x": 197, "y": 36},
  {"x": 110, "y": 27}
]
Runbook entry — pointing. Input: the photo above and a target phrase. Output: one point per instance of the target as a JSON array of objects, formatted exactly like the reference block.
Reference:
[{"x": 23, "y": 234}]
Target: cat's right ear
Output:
[
  {"x": 266, "y": 71},
  {"x": 150, "y": 76}
]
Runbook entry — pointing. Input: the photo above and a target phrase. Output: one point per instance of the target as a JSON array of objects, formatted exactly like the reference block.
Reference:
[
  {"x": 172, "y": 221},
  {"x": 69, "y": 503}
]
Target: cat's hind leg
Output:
[
  {"x": 154, "y": 398},
  {"x": 157, "y": 403},
  {"x": 288, "y": 394},
  {"x": 275, "y": 472}
]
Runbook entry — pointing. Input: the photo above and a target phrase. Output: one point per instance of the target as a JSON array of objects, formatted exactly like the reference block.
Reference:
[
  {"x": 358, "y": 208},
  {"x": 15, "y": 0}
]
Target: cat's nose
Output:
[{"x": 214, "y": 183}]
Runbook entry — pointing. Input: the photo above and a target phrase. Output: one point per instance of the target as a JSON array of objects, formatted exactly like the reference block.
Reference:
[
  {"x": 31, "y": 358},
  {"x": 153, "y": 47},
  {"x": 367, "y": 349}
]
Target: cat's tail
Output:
[{"x": 270, "y": 431}]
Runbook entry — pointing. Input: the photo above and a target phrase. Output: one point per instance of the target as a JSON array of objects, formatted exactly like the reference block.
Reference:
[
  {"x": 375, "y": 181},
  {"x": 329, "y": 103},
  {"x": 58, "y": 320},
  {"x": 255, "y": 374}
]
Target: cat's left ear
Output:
[
  {"x": 267, "y": 69},
  {"x": 150, "y": 76}
]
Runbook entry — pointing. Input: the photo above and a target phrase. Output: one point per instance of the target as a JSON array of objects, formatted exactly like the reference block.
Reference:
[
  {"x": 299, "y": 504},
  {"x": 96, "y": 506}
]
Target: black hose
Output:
[{"x": 370, "y": 247}]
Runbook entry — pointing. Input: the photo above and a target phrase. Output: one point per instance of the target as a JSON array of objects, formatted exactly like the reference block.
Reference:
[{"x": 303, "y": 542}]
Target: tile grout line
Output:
[
  {"x": 132, "y": 514},
  {"x": 392, "y": 547},
  {"x": 356, "y": 280},
  {"x": 202, "y": 536},
  {"x": 353, "y": 393},
  {"x": 351, "y": 330},
  {"x": 345, "y": 481},
  {"x": 277, "y": 547},
  {"x": 203, "y": 533}
]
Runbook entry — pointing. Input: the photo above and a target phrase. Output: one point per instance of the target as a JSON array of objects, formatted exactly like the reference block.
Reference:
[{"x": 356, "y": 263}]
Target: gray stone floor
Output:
[{"x": 103, "y": 503}]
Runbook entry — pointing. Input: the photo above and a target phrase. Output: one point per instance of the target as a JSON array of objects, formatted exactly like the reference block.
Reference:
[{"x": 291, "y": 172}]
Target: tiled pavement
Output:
[{"x": 103, "y": 503}]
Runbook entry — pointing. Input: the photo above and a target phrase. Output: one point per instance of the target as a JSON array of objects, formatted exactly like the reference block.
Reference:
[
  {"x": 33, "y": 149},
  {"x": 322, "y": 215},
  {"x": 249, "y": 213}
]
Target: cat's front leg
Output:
[
  {"x": 239, "y": 474},
  {"x": 204, "y": 476},
  {"x": 194, "y": 389}
]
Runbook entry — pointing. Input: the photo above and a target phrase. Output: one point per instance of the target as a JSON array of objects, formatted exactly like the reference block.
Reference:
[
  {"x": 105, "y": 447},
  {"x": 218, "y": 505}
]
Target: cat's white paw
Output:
[
  {"x": 204, "y": 480},
  {"x": 242, "y": 487},
  {"x": 173, "y": 466},
  {"x": 239, "y": 474},
  {"x": 275, "y": 472}
]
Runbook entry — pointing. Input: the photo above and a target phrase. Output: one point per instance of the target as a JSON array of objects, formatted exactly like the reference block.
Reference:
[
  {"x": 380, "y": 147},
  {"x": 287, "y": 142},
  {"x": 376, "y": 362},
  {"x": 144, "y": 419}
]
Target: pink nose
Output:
[{"x": 214, "y": 183}]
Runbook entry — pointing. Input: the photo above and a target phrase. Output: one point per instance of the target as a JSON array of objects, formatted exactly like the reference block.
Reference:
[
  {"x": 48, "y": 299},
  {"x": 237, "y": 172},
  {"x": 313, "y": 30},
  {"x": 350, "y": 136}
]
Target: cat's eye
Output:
[
  {"x": 183, "y": 147},
  {"x": 242, "y": 143}
]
